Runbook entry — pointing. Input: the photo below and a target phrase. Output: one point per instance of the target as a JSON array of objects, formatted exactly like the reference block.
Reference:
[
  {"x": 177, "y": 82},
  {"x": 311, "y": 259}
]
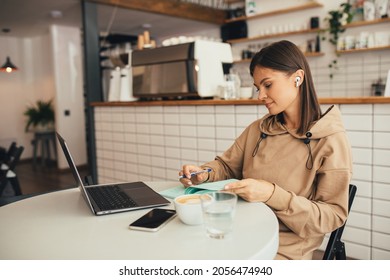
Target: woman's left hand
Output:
[{"x": 251, "y": 190}]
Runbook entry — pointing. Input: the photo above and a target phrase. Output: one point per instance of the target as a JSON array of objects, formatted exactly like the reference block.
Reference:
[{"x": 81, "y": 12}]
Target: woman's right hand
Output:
[{"x": 188, "y": 181}]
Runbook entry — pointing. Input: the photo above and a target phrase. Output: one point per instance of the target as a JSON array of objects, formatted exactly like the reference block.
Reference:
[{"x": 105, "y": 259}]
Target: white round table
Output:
[{"x": 59, "y": 225}]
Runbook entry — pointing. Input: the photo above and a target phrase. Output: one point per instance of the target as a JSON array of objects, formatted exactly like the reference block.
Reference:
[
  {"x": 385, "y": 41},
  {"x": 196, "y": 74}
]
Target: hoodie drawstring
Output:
[
  {"x": 309, "y": 161},
  {"x": 262, "y": 136}
]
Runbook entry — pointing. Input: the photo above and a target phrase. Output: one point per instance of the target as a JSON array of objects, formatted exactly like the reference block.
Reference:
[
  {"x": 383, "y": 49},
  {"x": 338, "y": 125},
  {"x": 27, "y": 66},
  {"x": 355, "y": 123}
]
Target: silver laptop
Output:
[{"x": 113, "y": 198}]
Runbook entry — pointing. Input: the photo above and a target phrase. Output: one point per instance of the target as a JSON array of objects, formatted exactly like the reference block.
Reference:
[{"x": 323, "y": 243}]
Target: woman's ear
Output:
[{"x": 298, "y": 77}]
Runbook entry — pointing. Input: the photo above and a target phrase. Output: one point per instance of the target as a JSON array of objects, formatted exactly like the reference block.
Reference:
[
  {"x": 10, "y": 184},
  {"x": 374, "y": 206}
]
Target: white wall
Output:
[
  {"x": 33, "y": 81},
  {"x": 68, "y": 76},
  {"x": 50, "y": 67}
]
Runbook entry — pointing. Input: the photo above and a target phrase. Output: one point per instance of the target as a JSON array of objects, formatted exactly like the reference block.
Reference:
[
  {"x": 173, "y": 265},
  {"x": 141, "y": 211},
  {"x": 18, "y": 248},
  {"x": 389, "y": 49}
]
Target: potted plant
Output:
[
  {"x": 335, "y": 21},
  {"x": 40, "y": 116}
]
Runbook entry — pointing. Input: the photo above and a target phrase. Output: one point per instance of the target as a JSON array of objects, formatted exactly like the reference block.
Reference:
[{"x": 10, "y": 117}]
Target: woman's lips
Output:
[{"x": 269, "y": 104}]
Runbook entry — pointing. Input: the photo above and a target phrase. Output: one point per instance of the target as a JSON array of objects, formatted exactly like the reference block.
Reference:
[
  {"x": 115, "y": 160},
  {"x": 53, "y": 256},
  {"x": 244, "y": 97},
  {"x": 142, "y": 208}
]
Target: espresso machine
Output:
[{"x": 188, "y": 70}]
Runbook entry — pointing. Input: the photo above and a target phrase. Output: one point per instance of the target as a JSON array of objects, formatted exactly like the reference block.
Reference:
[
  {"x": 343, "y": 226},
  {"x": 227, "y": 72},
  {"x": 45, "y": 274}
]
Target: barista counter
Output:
[
  {"x": 150, "y": 141},
  {"x": 200, "y": 102}
]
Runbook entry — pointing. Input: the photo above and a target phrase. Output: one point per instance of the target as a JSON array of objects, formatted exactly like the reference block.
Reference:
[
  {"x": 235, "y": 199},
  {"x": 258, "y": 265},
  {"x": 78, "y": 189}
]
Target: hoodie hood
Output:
[{"x": 329, "y": 123}]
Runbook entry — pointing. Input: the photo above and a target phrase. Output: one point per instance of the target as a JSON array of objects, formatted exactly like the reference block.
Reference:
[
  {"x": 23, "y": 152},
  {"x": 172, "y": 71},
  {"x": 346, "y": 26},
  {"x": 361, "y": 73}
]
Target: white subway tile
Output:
[
  {"x": 246, "y": 109},
  {"x": 188, "y": 142},
  {"x": 382, "y": 140},
  {"x": 245, "y": 120},
  {"x": 156, "y": 129},
  {"x": 158, "y": 151},
  {"x": 362, "y": 155},
  {"x": 158, "y": 161},
  {"x": 356, "y": 109},
  {"x": 378, "y": 254},
  {"x": 206, "y": 156},
  {"x": 226, "y": 133},
  {"x": 225, "y": 120},
  {"x": 381, "y": 191},
  {"x": 187, "y": 130},
  {"x": 381, "y": 241},
  {"x": 206, "y": 144},
  {"x": 156, "y": 118},
  {"x": 172, "y": 141},
  {"x": 382, "y": 109},
  {"x": 223, "y": 145},
  {"x": 359, "y": 220},
  {"x": 381, "y": 174},
  {"x": 187, "y": 110},
  {"x": 205, "y": 119},
  {"x": 171, "y": 130},
  {"x": 144, "y": 159},
  {"x": 357, "y": 251},
  {"x": 382, "y": 157},
  {"x": 187, "y": 119},
  {"x": 173, "y": 164},
  {"x": 364, "y": 188},
  {"x": 209, "y": 109},
  {"x": 381, "y": 207},
  {"x": 357, "y": 123},
  {"x": 362, "y": 205},
  {"x": 362, "y": 172},
  {"x": 356, "y": 235},
  {"x": 171, "y": 109},
  {"x": 225, "y": 109},
  {"x": 173, "y": 152},
  {"x": 189, "y": 155},
  {"x": 206, "y": 132},
  {"x": 157, "y": 140},
  {"x": 360, "y": 139},
  {"x": 381, "y": 224},
  {"x": 171, "y": 119},
  {"x": 382, "y": 123}
]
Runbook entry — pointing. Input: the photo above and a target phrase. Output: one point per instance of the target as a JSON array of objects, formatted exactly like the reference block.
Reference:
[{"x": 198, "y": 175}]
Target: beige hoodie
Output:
[{"x": 311, "y": 174}]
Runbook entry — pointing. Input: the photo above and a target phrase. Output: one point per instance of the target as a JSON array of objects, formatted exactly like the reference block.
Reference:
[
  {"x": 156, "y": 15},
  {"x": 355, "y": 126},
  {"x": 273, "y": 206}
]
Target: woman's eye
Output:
[
  {"x": 257, "y": 90},
  {"x": 267, "y": 85}
]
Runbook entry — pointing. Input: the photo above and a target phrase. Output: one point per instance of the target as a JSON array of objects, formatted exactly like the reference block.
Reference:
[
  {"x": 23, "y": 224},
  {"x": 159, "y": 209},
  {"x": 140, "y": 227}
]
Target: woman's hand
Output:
[
  {"x": 194, "y": 180},
  {"x": 252, "y": 190}
]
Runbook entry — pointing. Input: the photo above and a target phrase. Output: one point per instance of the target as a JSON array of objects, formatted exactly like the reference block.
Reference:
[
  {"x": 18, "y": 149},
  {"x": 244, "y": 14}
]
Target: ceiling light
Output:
[{"x": 8, "y": 66}]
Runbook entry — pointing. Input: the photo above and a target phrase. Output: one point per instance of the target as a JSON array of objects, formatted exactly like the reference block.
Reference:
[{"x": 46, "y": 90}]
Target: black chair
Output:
[
  {"x": 335, "y": 248},
  {"x": 7, "y": 174}
]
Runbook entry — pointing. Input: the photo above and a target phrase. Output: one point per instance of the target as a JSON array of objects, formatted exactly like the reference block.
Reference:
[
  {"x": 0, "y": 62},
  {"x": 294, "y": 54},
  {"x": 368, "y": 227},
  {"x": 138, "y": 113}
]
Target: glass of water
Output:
[{"x": 218, "y": 213}]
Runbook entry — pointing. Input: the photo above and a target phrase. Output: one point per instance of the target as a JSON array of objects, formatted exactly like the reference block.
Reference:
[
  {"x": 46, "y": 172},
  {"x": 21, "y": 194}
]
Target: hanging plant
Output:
[{"x": 335, "y": 22}]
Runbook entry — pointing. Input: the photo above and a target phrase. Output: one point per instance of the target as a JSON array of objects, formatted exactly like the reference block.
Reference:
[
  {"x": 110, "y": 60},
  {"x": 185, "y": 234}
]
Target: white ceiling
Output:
[{"x": 30, "y": 18}]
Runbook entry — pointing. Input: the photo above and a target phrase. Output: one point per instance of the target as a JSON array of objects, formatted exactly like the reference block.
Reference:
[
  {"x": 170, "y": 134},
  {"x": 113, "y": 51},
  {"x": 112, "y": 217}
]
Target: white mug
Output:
[{"x": 189, "y": 209}]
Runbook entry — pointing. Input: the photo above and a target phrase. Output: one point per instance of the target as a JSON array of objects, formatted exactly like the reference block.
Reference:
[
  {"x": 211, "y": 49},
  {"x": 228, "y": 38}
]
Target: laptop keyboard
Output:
[{"x": 110, "y": 197}]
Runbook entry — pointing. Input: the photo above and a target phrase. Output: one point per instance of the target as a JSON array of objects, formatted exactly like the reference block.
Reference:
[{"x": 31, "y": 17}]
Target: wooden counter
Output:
[{"x": 328, "y": 100}]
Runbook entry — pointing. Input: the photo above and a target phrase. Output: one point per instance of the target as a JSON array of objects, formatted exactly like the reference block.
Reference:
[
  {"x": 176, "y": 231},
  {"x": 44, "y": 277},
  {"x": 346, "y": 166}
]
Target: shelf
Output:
[
  {"x": 364, "y": 50},
  {"x": 308, "y": 54},
  {"x": 242, "y": 40},
  {"x": 364, "y": 23},
  {"x": 306, "y": 6}
]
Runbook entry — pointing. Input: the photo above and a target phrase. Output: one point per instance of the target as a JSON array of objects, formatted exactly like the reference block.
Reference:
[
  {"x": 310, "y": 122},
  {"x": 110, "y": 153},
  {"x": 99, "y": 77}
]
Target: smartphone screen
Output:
[{"x": 153, "y": 220}]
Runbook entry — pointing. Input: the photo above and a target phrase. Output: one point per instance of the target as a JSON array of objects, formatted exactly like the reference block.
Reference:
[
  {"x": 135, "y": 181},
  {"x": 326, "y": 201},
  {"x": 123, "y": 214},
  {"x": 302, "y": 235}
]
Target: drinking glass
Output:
[{"x": 218, "y": 213}]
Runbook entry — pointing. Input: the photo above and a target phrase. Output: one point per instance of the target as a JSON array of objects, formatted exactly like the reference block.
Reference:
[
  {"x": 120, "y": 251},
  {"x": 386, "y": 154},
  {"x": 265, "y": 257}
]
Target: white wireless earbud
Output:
[{"x": 297, "y": 80}]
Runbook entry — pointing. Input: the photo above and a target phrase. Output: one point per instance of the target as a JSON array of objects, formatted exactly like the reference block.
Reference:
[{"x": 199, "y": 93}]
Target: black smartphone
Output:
[{"x": 153, "y": 220}]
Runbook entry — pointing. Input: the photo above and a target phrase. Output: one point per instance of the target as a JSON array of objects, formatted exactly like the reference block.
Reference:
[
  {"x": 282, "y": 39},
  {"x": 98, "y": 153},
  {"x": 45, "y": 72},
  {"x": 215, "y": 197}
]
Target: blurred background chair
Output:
[
  {"x": 7, "y": 169},
  {"x": 335, "y": 248}
]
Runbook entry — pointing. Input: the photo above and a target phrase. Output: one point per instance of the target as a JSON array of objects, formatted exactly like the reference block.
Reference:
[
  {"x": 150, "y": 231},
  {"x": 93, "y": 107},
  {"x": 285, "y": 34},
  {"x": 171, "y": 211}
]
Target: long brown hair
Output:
[{"x": 286, "y": 57}]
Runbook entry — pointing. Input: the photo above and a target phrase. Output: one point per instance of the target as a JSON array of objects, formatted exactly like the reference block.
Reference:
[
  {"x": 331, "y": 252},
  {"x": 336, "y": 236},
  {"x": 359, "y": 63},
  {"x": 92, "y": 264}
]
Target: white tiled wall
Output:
[{"x": 151, "y": 143}]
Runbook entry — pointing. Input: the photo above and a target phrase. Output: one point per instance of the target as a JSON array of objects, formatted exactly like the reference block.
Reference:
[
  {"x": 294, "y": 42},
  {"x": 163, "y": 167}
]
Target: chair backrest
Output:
[
  {"x": 335, "y": 248},
  {"x": 13, "y": 154}
]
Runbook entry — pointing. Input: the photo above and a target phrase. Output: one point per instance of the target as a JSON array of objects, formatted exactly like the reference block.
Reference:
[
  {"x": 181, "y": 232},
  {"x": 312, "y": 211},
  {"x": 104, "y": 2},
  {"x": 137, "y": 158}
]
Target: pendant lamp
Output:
[{"x": 8, "y": 66}]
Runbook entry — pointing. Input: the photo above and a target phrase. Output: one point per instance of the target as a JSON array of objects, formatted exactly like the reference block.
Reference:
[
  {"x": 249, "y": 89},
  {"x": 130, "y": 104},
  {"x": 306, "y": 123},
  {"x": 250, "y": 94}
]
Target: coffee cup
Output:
[{"x": 189, "y": 209}]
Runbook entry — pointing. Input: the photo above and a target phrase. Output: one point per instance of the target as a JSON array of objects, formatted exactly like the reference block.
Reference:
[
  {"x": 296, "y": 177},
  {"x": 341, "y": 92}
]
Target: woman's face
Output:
[{"x": 277, "y": 90}]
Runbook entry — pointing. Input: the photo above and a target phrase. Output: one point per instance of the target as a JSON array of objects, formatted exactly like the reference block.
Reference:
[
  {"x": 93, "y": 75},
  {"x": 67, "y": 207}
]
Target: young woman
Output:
[{"x": 295, "y": 159}]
